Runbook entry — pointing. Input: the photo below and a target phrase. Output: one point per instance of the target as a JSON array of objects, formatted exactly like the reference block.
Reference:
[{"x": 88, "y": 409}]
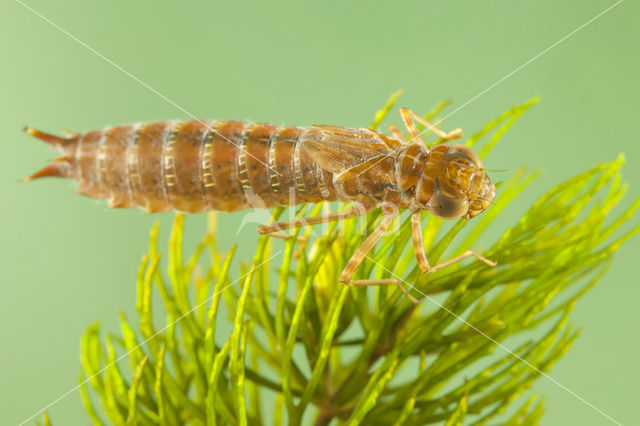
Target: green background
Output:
[{"x": 66, "y": 260}]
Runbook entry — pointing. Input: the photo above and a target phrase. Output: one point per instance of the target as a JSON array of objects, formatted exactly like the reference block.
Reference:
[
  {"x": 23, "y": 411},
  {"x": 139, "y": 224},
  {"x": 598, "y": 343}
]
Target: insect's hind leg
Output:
[
  {"x": 270, "y": 229},
  {"x": 464, "y": 255},
  {"x": 284, "y": 236},
  {"x": 408, "y": 116},
  {"x": 386, "y": 281}
]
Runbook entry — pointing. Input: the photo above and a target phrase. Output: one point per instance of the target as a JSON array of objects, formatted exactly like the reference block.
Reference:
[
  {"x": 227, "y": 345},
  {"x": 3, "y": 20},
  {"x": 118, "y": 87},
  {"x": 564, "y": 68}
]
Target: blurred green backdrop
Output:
[{"x": 66, "y": 260}]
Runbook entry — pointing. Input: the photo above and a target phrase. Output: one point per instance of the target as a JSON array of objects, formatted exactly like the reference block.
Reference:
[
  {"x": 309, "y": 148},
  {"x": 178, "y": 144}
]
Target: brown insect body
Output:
[{"x": 194, "y": 166}]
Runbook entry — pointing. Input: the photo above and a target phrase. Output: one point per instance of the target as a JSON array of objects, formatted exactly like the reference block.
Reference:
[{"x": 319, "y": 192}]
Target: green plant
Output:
[{"x": 362, "y": 355}]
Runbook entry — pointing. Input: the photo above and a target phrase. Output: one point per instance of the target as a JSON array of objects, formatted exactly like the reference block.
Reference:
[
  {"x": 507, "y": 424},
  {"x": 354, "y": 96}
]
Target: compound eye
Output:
[
  {"x": 446, "y": 207},
  {"x": 463, "y": 151}
]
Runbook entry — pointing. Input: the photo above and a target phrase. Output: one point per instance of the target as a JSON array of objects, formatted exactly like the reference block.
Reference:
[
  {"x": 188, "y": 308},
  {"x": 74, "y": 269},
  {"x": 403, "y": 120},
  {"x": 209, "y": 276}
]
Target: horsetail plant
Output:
[{"x": 304, "y": 348}]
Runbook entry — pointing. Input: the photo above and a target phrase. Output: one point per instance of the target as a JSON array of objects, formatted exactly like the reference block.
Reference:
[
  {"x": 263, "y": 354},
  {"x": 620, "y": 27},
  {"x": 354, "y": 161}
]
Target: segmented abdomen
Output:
[{"x": 196, "y": 166}]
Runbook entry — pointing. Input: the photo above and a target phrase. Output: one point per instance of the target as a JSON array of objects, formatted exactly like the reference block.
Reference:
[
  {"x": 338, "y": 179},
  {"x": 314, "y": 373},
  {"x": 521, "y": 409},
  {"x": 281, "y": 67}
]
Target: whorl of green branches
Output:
[{"x": 362, "y": 355}]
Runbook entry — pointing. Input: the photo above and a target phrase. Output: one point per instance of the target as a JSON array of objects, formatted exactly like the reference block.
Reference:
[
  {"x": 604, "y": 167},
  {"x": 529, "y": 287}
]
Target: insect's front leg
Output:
[
  {"x": 408, "y": 116},
  {"x": 361, "y": 253},
  {"x": 414, "y": 136},
  {"x": 421, "y": 256}
]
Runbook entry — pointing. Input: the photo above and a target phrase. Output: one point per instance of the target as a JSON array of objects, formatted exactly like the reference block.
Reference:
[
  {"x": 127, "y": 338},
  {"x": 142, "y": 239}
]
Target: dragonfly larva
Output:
[{"x": 196, "y": 166}]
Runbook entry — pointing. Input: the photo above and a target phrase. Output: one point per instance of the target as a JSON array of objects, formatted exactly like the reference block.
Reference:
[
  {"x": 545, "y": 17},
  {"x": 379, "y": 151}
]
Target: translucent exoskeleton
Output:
[{"x": 195, "y": 166}]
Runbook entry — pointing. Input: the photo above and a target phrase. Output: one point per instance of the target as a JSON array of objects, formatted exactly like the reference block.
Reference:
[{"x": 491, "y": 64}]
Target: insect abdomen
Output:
[{"x": 192, "y": 166}]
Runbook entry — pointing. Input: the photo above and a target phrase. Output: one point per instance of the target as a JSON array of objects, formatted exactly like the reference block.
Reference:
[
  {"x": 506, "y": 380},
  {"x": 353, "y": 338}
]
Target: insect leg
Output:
[
  {"x": 464, "y": 255},
  {"x": 300, "y": 239},
  {"x": 395, "y": 132},
  {"x": 418, "y": 244},
  {"x": 410, "y": 125},
  {"x": 387, "y": 281},
  {"x": 444, "y": 136},
  {"x": 421, "y": 256},
  {"x": 269, "y": 229},
  {"x": 361, "y": 253},
  {"x": 287, "y": 236},
  {"x": 367, "y": 245}
]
